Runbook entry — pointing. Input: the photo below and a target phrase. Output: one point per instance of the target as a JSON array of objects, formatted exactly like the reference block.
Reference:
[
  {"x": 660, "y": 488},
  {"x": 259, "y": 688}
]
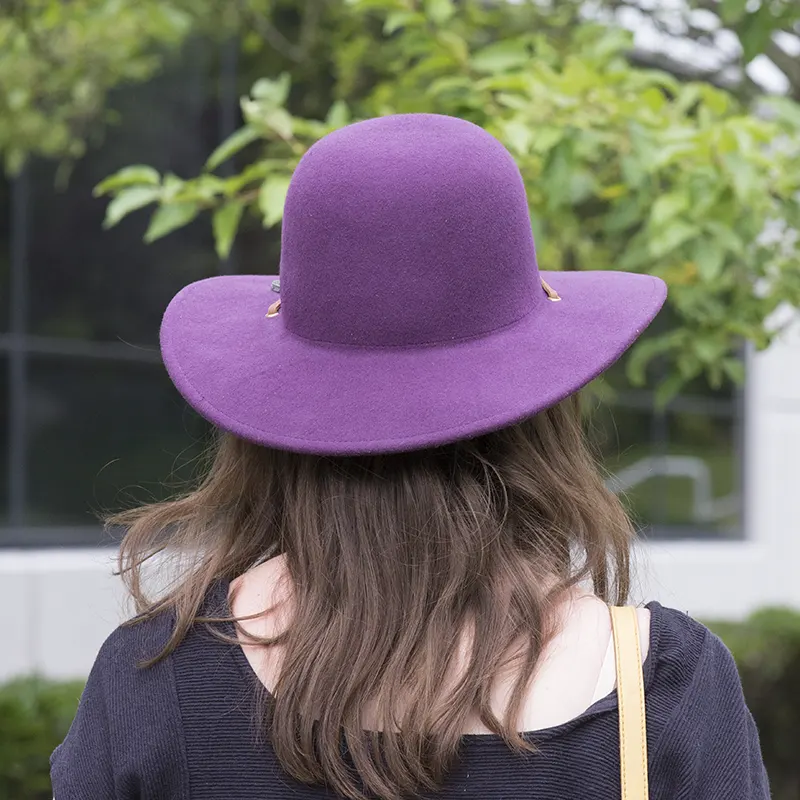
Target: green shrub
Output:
[
  {"x": 767, "y": 651},
  {"x": 35, "y": 714}
]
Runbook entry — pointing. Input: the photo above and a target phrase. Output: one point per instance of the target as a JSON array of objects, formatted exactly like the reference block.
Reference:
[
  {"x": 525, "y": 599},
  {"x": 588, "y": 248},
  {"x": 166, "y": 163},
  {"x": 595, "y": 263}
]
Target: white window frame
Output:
[{"x": 732, "y": 578}]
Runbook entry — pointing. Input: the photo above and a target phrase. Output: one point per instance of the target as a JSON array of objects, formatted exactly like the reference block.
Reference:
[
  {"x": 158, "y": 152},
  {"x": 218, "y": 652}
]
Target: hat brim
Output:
[{"x": 248, "y": 375}]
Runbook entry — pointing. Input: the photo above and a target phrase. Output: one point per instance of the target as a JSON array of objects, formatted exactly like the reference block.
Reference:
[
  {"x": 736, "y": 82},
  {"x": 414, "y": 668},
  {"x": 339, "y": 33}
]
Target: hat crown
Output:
[{"x": 406, "y": 230}]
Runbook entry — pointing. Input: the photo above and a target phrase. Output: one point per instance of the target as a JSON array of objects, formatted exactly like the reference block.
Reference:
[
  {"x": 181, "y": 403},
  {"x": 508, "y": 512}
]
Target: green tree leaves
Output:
[
  {"x": 225, "y": 223},
  {"x": 168, "y": 218},
  {"x": 439, "y": 11},
  {"x": 732, "y": 10},
  {"x": 128, "y": 200},
  {"x": 624, "y": 168},
  {"x": 709, "y": 257},
  {"x": 58, "y": 61},
  {"x": 755, "y": 35},
  {"x": 500, "y": 57},
  {"x": 271, "y": 198},
  {"x": 137, "y": 175},
  {"x": 670, "y": 237},
  {"x": 233, "y": 144},
  {"x": 668, "y": 206}
]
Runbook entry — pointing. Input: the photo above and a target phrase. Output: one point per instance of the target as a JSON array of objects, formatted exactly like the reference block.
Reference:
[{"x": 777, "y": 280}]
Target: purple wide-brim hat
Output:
[{"x": 411, "y": 312}]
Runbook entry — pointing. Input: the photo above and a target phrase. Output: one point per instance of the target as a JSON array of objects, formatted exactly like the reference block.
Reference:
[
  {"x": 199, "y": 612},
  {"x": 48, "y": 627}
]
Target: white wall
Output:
[{"x": 57, "y": 606}]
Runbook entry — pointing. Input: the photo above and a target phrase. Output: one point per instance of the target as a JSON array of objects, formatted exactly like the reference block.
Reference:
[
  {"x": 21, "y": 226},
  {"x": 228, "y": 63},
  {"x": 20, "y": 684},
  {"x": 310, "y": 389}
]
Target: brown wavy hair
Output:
[{"x": 391, "y": 558}]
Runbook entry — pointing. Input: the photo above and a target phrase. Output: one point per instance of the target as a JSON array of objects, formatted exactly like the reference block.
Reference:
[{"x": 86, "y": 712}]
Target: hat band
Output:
[{"x": 551, "y": 293}]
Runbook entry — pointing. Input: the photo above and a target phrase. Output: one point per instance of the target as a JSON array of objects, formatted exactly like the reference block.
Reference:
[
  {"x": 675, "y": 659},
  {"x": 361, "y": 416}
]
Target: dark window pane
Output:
[
  {"x": 678, "y": 471},
  {"x": 103, "y": 435},
  {"x": 5, "y": 251},
  {"x": 108, "y": 285},
  {"x": 5, "y": 422}
]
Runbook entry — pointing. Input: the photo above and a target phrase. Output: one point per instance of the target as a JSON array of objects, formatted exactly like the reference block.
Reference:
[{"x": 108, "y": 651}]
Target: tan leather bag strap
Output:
[{"x": 630, "y": 698}]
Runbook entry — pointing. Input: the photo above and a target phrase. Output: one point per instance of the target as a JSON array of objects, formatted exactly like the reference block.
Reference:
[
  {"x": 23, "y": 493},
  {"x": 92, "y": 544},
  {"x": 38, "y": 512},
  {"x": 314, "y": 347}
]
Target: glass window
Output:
[
  {"x": 103, "y": 427},
  {"x": 677, "y": 469},
  {"x": 4, "y": 431},
  {"x": 108, "y": 285},
  {"x": 102, "y": 436},
  {"x": 5, "y": 251}
]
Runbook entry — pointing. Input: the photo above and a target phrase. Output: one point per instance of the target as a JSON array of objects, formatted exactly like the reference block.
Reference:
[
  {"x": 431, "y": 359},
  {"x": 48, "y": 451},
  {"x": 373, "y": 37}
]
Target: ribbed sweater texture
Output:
[{"x": 184, "y": 729}]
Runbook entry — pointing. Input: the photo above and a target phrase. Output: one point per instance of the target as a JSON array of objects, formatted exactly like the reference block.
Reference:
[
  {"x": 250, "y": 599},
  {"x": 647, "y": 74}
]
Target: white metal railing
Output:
[{"x": 705, "y": 507}]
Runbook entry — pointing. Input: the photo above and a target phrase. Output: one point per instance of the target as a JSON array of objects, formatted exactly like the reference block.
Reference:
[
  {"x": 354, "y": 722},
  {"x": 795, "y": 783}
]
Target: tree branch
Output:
[
  {"x": 680, "y": 69},
  {"x": 308, "y": 33},
  {"x": 789, "y": 65},
  {"x": 308, "y": 29},
  {"x": 277, "y": 40},
  {"x": 745, "y": 88}
]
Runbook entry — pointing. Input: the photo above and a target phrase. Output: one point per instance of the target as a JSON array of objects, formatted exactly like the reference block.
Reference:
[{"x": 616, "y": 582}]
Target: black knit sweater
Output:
[{"x": 183, "y": 729}]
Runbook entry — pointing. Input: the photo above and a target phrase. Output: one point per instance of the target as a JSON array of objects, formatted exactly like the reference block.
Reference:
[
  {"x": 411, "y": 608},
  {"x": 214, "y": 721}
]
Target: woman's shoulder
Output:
[
  {"x": 127, "y": 716},
  {"x": 683, "y": 650},
  {"x": 133, "y": 643},
  {"x": 690, "y": 669},
  {"x": 703, "y": 734},
  {"x": 680, "y": 642},
  {"x": 144, "y": 638}
]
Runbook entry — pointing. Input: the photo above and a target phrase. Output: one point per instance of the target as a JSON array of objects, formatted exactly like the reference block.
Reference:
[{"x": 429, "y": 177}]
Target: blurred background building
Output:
[{"x": 90, "y": 422}]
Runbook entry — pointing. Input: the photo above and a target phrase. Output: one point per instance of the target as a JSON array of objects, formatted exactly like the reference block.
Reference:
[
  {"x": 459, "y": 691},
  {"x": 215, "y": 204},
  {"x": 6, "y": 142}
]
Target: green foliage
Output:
[
  {"x": 767, "y": 652},
  {"x": 59, "y": 61},
  {"x": 225, "y": 222},
  {"x": 34, "y": 718},
  {"x": 128, "y": 200},
  {"x": 271, "y": 198},
  {"x": 35, "y": 714},
  {"x": 761, "y": 28},
  {"x": 755, "y": 23},
  {"x": 625, "y": 168}
]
